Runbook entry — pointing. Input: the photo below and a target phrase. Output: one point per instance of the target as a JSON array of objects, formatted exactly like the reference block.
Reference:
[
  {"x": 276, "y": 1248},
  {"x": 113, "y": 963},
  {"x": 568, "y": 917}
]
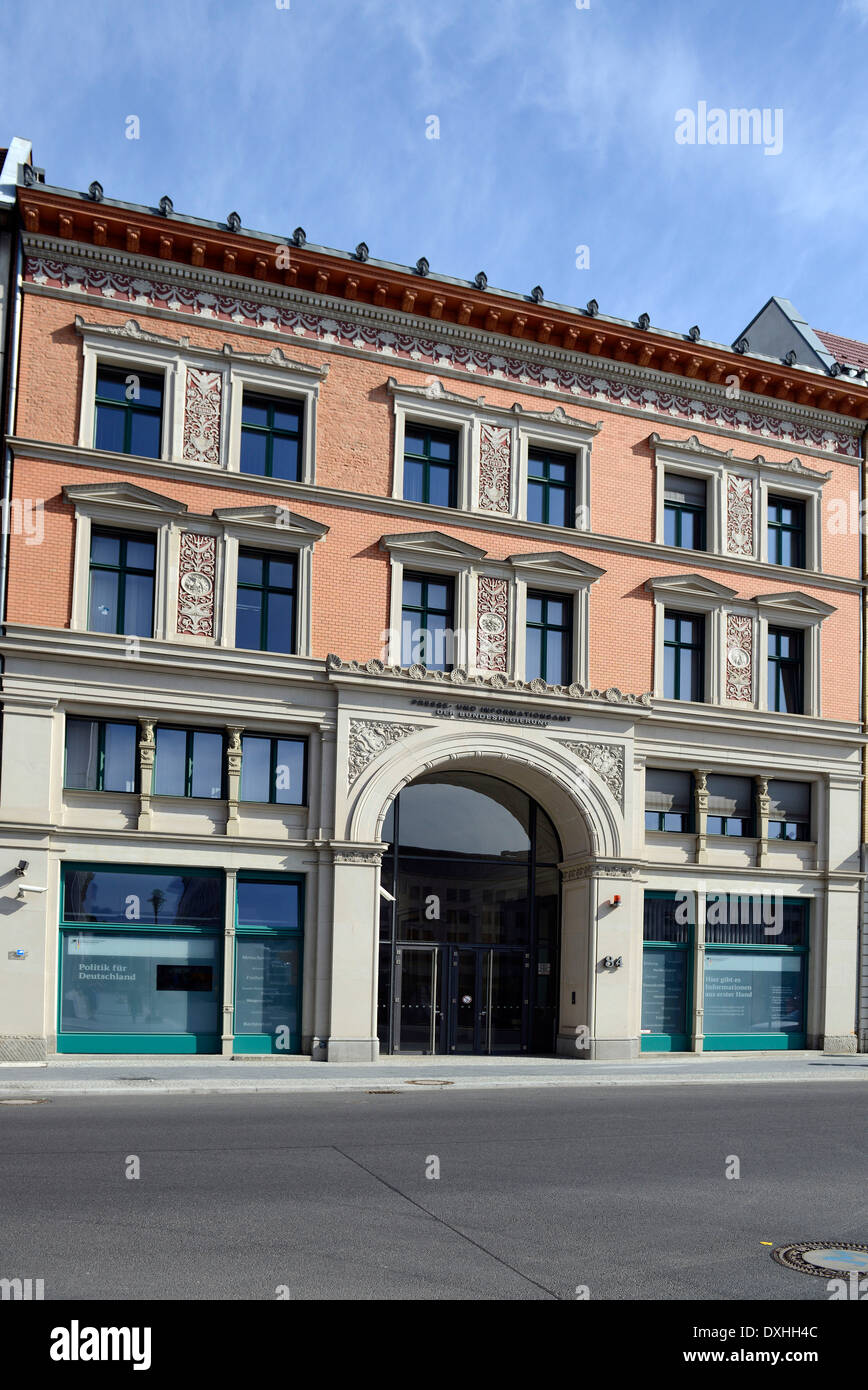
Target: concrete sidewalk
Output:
[{"x": 223, "y": 1076}]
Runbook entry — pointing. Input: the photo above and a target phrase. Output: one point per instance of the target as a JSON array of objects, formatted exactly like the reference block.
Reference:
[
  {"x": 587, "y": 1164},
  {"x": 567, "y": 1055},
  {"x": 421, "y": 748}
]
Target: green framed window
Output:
[
  {"x": 551, "y": 487},
  {"x": 786, "y": 670},
  {"x": 101, "y": 755},
  {"x": 265, "y": 619},
  {"x": 121, "y": 595},
  {"x": 684, "y": 511},
  {"x": 430, "y": 466},
  {"x": 128, "y": 412},
  {"x": 427, "y": 621},
  {"x": 668, "y": 800},
  {"x": 756, "y": 972},
  {"x": 549, "y": 638},
  {"x": 188, "y": 762},
  {"x": 271, "y": 437},
  {"x": 273, "y": 770},
  {"x": 269, "y": 941},
  {"x": 683, "y": 656},
  {"x": 789, "y": 810},
  {"x": 786, "y": 531},
  {"x": 731, "y": 809},
  {"x": 667, "y": 961}
]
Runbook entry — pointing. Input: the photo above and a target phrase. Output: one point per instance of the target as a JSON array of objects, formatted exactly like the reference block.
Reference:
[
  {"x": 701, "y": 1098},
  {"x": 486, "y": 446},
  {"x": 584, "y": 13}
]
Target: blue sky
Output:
[{"x": 557, "y": 130}]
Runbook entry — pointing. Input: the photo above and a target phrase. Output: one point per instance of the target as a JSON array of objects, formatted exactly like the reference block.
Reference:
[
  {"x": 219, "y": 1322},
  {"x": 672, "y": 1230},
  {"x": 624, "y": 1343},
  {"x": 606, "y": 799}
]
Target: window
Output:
[
  {"x": 273, "y": 769},
  {"x": 121, "y": 582},
  {"x": 548, "y": 638},
  {"x": 426, "y": 621},
  {"x": 271, "y": 437},
  {"x": 683, "y": 656},
  {"x": 789, "y": 811},
  {"x": 430, "y": 466},
  {"x": 684, "y": 507},
  {"x": 189, "y": 762},
  {"x": 730, "y": 806},
  {"x": 100, "y": 755},
  {"x": 786, "y": 532},
  {"x": 265, "y": 609},
  {"x": 128, "y": 412},
  {"x": 786, "y": 670},
  {"x": 668, "y": 800},
  {"x": 551, "y": 488}
]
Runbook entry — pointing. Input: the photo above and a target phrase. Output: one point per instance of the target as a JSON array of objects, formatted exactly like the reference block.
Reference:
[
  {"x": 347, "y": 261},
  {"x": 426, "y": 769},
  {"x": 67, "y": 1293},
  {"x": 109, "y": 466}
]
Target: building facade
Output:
[{"x": 395, "y": 665}]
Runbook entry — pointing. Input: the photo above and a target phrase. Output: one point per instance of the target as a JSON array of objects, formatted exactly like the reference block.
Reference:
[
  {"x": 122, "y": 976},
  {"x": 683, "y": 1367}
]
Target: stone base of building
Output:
[
  {"x": 598, "y": 1049},
  {"x": 352, "y": 1050},
  {"x": 22, "y": 1049},
  {"x": 842, "y": 1042}
]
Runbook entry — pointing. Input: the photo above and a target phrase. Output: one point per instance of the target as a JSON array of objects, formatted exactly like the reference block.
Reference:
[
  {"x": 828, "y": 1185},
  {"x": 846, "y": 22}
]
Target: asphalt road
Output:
[{"x": 540, "y": 1192}]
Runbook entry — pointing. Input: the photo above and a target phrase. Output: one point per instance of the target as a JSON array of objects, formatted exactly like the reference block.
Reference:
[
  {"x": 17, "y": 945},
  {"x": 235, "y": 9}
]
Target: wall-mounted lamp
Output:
[
  {"x": 22, "y": 866},
  {"x": 616, "y": 901}
]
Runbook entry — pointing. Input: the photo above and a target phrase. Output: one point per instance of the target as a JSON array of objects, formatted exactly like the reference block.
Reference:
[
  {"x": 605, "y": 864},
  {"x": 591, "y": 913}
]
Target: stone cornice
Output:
[
  {"x": 309, "y": 493},
  {"x": 693, "y": 447},
  {"x": 808, "y": 394}
]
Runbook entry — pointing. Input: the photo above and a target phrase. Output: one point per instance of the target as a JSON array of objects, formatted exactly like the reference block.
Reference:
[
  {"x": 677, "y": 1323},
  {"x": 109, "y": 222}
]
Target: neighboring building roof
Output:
[{"x": 845, "y": 350}]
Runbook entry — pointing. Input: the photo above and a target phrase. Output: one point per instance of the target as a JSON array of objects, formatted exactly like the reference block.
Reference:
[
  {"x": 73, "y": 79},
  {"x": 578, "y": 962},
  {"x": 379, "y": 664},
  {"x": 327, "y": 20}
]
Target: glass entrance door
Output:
[
  {"x": 417, "y": 1005},
  {"x": 488, "y": 1000}
]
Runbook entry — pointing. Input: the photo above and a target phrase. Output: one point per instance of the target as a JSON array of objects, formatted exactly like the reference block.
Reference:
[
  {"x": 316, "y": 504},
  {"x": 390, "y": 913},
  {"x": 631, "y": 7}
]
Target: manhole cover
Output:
[
  {"x": 426, "y": 1082},
  {"x": 824, "y": 1258},
  {"x": 43, "y": 1100}
]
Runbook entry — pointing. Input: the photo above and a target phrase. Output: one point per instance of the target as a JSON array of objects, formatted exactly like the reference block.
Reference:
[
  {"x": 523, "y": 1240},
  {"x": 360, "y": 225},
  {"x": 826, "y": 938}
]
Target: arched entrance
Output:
[{"x": 469, "y": 920}]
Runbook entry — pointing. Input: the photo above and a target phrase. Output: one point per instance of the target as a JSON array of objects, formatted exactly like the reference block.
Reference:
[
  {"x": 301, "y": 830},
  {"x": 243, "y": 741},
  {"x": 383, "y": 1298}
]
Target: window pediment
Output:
[
  {"x": 689, "y": 586},
  {"x": 433, "y": 392},
  {"x": 122, "y": 495},
  {"x": 131, "y": 332},
  {"x": 434, "y": 543},
  {"x": 695, "y": 450},
  {"x": 793, "y": 605},
  {"x": 556, "y": 562},
  {"x": 273, "y": 518}
]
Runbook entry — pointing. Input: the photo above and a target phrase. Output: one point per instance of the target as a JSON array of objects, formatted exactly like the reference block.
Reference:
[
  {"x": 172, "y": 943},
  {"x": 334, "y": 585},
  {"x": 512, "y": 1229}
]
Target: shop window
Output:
[
  {"x": 666, "y": 963},
  {"x": 128, "y": 412},
  {"x": 121, "y": 596},
  {"x": 730, "y": 806},
  {"x": 101, "y": 755},
  {"x": 273, "y": 770},
  {"x": 668, "y": 800},
  {"x": 125, "y": 896},
  {"x": 551, "y": 487},
  {"x": 684, "y": 511},
  {"x": 548, "y": 638},
  {"x": 271, "y": 436},
  {"x": 756, "y": 975},
  {"x": 268, "y": 965},
  {"x": 430, "y": 465},
  {"x": 789, "y": 811},
  {"x": 189, "y": 762},
  {"x": 266, "y": 601},
  {"x": 683, "y": 656}
]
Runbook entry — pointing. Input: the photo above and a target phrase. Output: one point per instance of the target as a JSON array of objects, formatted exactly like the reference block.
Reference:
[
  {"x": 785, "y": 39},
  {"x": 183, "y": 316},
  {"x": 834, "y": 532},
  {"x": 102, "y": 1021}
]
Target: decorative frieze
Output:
[
  {"x": 600, "y": 869},
  {"x": 739, "y": 515},
  {"x": 492, "y": 609},
  {"x": 368, "y": 739},
  {"x": 497, "y": 681},
  {"x": 739, "y": 658},
  {"x": 495, "y": 452},
  {"x": 197, "y": 568},
  {"x": 607, "y": 760},
  {"x": 202, "y": 408},
  {"x": 633, "y": 387}
]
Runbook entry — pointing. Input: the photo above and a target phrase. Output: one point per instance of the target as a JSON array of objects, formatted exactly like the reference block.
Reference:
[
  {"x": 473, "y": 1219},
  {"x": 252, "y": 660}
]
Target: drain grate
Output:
[
  {"x": 42, "y": 1100},
  {"x": 382, "y": 1093},
  {"x": 428, "y": 1082},
  {"x": 827, "y": 1259}
]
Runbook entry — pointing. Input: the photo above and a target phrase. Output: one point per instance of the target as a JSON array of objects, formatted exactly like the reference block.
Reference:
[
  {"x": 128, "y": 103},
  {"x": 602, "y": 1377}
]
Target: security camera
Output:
[
  {"x": 390, "y": 898},
  {"x": 23, "y": 866},
  {"x": 29, "y": 888}
]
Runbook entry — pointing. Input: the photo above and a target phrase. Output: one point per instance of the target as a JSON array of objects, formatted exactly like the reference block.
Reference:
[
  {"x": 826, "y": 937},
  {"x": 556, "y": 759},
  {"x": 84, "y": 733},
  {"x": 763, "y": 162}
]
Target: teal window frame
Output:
[
  {"x": 677, "y": 645},
  {"x": 129, "y": 407},
  {"x": 270, "y": 431},
  {"x": 100, "y": 774},
  {"x": 189, "y": 760},
  {"x": 266, "y": 588},
  {"x": 681, "y": 1041},
  {"x": 258, "y": 1044},
  {"x": 773, "y": 1041},
  {"x": 451, "y": 464},
  {"x": 779, "y": 530},
  {"x": 275, "y": 740},
  {"x": 564, "y": 630},
  {"x": 127, "y": 1043},
  {"x": 543, "y": 483},
  {"x": 778, "y": 666},
  {"x": 122, "y": 569}
]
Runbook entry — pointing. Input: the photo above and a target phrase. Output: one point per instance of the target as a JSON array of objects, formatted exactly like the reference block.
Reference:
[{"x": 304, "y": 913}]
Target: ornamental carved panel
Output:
[
  {"x": 368, "y": 739},
  {"x": 202, "y": 416},
  {"x": 196, "y": 578},
  {"x": 492, "y": 606},
  {"x": 739, "y": 658},
  {"x": 495, "y": 452},
  {"x": 607, "y": 760},
  {"x": 739, "y": 515}
]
